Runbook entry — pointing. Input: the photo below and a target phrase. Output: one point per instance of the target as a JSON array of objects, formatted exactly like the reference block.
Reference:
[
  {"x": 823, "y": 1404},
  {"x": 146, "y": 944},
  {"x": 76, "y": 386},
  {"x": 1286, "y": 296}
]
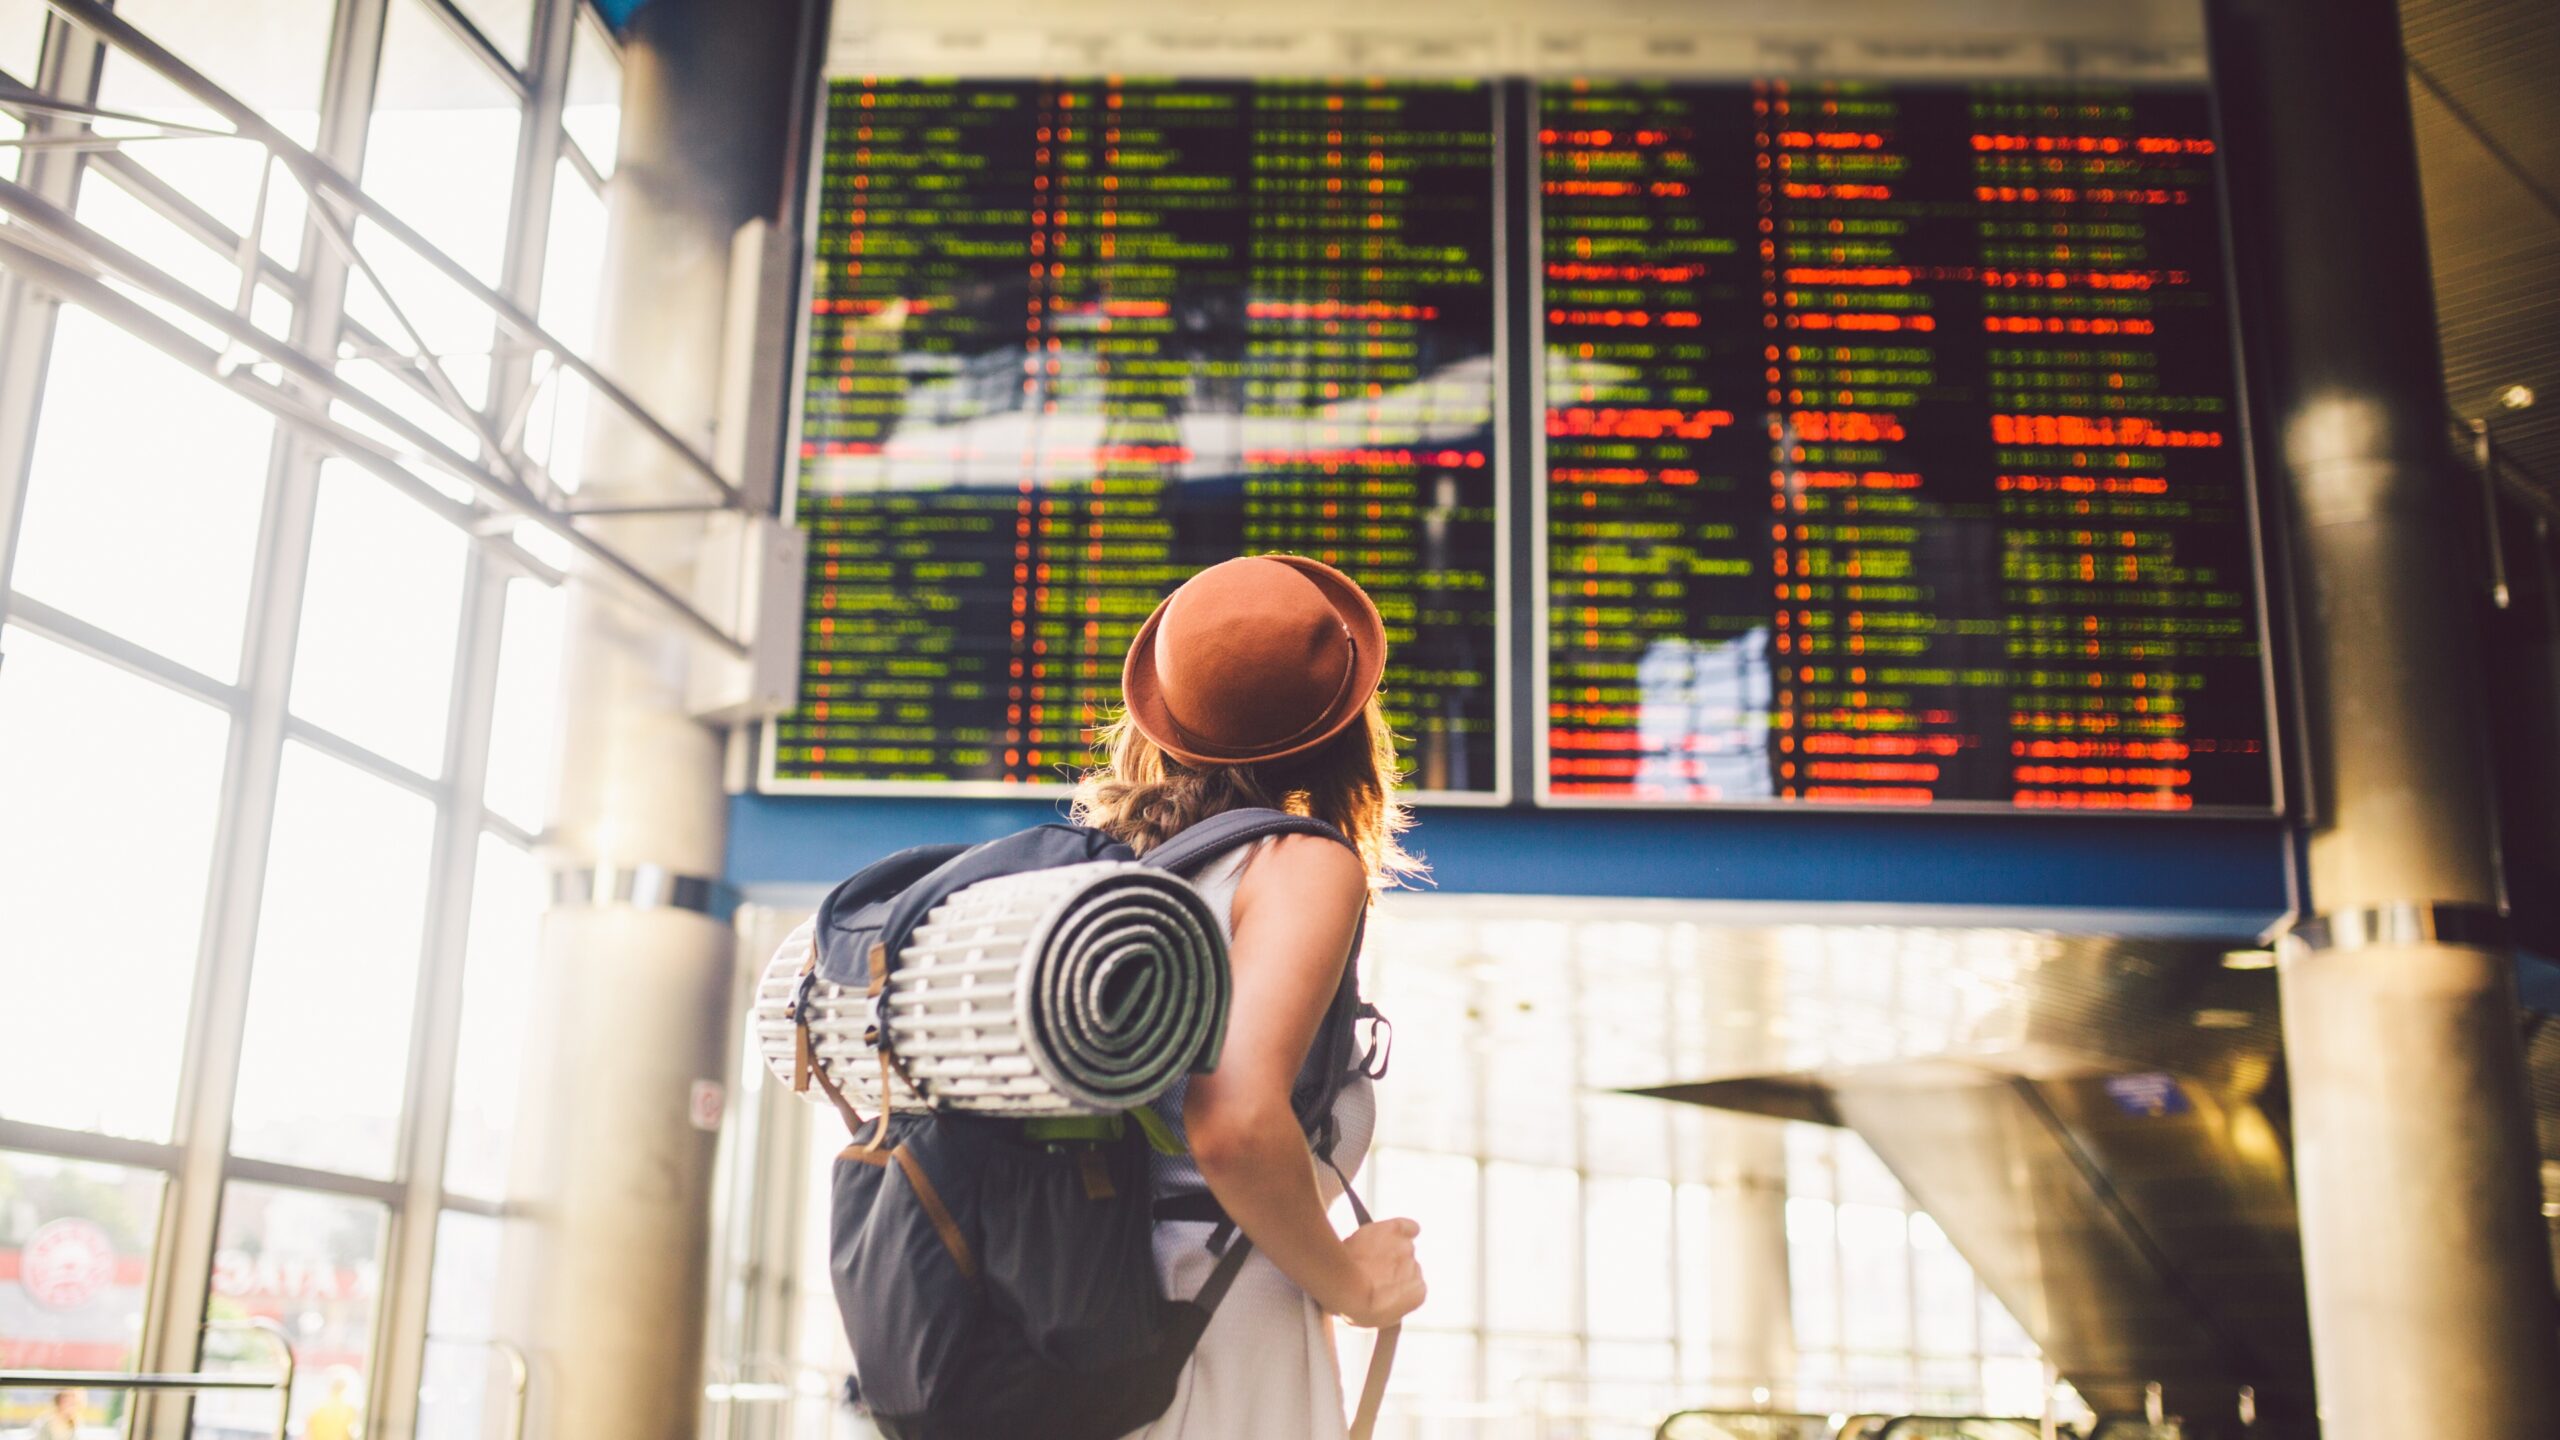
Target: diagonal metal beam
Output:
[
  {"x": 325, "y": 181},
  {"x": 139, "y": 320}
]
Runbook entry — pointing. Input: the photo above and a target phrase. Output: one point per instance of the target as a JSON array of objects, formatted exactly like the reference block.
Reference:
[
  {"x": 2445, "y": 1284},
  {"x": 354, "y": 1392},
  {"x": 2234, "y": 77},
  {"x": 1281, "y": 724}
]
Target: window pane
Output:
[
  {"x": 592, "y": 112},
  {"x": 1532, "y": 1212},
  {"x": 507, "y": 24},
  {"x": 148, "y": 530},
  {"x": 1813, "y": 1274},
  {"x": 572, "y": 281},
  {"x": 1943, "y": 1292},
  {"x": 21, "y": 39},
  {"x": 269, "y": 54},
  {"x": 125, "y": 218},
  {"x": 497, "y": 1005},
  {"x": 441, "y": 151},
  {"x": 1696, "y": 1267},
  {"x": 1875, "y": 1272},
  {"x": 105, "y": 779},
  {"x": 1628, "y": 1228},
  {"x": 1440, "y": 1192},
  {"x": 468, "y": 1389},
  {"x": 381, "y": 614},
  {"x": 79, "y": 1238},
  {"x": 335, "y": 977},
  {"x": 311, "y": 1263},
  {"x": 523, "y": 736}
]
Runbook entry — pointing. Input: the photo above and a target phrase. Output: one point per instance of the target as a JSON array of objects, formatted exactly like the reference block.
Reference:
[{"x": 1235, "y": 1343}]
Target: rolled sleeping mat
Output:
[{"x": 1080, "y": 990}]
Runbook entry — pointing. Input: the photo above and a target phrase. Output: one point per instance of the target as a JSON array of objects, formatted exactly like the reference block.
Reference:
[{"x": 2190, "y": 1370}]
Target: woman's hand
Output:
[{"x": 1385, "y": 1280}]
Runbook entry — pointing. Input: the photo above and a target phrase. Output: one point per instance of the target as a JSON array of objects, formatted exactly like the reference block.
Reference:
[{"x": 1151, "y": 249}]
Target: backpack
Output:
[{"x": 1004, "y": 1284}]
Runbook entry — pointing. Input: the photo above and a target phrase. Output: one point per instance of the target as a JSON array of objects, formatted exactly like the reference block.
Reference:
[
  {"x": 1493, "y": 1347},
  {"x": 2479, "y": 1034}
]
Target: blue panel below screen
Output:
[{"x": 2231, "y": 871}]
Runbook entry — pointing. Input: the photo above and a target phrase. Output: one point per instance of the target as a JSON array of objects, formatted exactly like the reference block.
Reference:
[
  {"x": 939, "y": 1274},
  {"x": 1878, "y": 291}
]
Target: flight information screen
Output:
[
  {"x": 1071, "y": 341},
  {"x": 1893, "y": 452}
]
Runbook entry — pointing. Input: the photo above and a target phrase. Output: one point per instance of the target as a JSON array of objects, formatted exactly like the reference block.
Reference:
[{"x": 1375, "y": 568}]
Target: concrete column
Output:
[
  {"x": 2429, "y": 1285},
  {"x": 636, "y": 999}
]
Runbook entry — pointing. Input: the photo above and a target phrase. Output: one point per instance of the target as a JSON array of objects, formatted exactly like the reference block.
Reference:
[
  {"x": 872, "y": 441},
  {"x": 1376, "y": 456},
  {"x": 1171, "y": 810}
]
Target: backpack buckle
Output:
[
  {"x": 1382, "y": 1041},
  {"x": 875, "y": 1031}
]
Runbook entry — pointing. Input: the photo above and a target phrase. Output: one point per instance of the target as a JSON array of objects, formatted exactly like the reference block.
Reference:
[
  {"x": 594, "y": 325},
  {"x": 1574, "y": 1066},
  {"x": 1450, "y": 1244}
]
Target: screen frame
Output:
[
  {"x": 2253, "y": 500},
  {"x": 1507, "y": 728}
]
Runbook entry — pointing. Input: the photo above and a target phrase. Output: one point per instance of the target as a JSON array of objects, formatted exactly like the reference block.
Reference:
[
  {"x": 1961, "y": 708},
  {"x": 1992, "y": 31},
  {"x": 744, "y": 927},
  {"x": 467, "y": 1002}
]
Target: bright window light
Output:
[
  {"x": 147, "y": 530},
  {"x": 109, "y": 787}
]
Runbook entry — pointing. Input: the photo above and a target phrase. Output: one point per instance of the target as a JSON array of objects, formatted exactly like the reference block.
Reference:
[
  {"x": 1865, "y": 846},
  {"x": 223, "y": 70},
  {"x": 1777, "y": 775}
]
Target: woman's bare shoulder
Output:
[{"x": 1306, "y": 867}]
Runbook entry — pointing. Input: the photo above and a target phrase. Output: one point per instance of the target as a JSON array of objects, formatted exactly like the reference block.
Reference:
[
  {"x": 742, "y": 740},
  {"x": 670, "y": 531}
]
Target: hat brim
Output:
[{"x": 1144, "y": 695}]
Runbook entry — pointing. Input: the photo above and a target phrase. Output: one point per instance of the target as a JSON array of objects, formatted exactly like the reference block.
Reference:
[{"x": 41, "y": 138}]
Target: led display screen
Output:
[
  {"x": 1892, "y": 450},
  {"x": 1870, "y": 444},
  {"x": 1071, "y": 341}
]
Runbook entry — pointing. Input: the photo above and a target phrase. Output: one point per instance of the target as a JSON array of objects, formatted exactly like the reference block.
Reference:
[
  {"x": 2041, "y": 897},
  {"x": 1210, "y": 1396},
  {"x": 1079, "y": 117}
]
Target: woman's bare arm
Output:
[{"x": 1295, "y": 916}]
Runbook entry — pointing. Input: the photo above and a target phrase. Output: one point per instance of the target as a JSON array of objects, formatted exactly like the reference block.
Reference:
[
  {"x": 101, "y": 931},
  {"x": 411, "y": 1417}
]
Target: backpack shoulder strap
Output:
[{"x": 1220, "y": 833}]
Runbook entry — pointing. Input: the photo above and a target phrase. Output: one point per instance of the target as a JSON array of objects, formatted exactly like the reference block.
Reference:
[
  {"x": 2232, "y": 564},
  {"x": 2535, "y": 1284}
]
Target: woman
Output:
[{"x": 1255, "y": 684}]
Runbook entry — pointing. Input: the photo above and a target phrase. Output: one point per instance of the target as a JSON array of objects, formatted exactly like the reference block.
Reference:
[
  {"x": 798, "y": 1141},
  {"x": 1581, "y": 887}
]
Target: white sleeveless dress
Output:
[{"x": 1265, "y": 1369}]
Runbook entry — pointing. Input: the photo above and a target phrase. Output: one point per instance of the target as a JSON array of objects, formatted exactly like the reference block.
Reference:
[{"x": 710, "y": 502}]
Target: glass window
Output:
[
  {"x": 468, "y": 1388},
  {"x": 335, "y": 980},
  {"x": 1439, "y": 1191},
  {"x": 523, "y": 735},
  {"x": 1627, "y": 1228},
  {"x": 506, "y": 24},
  {"x": 1942, "y": 1300},
  {"x": 1630, "y": 1388},
  {"x": 1532, "y": 1215},
  {"x": 271, "y": 55},
  {"x": 78, "y": 1238},
  {"x": 497, "y": 1005},
  {"x": 148, "y": 530},
  {"x": 1875, "y": 1272},
  {"x": 1813, "y": 1274},
  {"x": 1696, "y": 1298},
  {"x": 107, "y": 207},
  {"x": 381, "y": 616},
  {"x": 572, "y": 283},
  {"x": 311, "y": 1264},
  {"x": 441, "y": 151},
  {"x": 109, "y": 786},
  {"x": 21, "y": 41},
  {"x": 592, "y": 110}
]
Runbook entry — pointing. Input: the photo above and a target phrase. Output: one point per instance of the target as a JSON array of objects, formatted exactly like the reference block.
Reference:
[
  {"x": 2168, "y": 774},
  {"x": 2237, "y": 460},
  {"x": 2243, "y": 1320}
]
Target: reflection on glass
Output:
[
  {"x": 146, "y": 530},
  {"x": 334, "y": 983},
  {"x": 381, "y": 615},
  {"x": 270, "y": 54},
  {"x": 312, "y": 1264},
  {"x": 1702, "y": 718},
  {"x": 593, "y": 112},
  {"x": 76, "y": 1240},
  {"x": 497, "y": 1006},
  {"x": 104, "y": 777},
  {"x": 522, "y": 726}
]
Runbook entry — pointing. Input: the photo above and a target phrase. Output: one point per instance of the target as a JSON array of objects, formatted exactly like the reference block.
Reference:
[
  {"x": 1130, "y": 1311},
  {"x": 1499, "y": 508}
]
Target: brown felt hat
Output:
[{"x": 1253, "y": 659}]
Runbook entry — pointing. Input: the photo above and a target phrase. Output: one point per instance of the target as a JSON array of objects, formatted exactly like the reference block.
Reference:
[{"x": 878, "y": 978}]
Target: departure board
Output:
[
  {"x": 1071, "y": 341},
  {"x": 1892, "y": 450}
]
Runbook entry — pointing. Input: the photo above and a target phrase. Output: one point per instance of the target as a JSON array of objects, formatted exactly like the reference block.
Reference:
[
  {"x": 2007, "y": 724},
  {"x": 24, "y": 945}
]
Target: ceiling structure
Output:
[{"x": 2488, "y": 126}]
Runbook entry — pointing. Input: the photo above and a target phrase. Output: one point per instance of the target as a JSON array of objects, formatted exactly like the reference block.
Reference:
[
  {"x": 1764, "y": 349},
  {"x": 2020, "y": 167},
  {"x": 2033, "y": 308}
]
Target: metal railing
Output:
[
  {"x": 279, "y": 1380},
  {"x": 519, "y": 1375}
]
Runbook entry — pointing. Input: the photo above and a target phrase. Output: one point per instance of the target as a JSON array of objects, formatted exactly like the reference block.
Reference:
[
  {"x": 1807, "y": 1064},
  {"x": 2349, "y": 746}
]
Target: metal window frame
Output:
[{"x": 195, "y": 1162}]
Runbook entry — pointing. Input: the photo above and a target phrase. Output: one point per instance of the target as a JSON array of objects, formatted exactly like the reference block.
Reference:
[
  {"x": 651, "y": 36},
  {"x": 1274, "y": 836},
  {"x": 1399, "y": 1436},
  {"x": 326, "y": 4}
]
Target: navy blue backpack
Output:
[{"x": 996, "y": 1276}]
